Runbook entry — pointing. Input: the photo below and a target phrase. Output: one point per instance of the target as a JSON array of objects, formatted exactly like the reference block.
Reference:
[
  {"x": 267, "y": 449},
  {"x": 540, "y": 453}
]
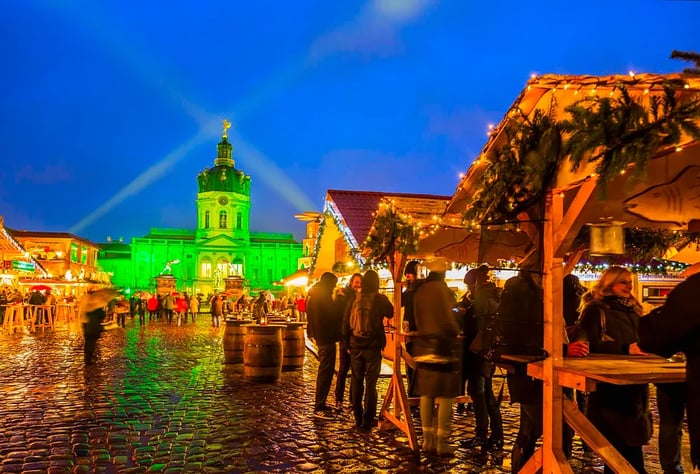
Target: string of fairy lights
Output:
[{"x": 415, "y": 228}]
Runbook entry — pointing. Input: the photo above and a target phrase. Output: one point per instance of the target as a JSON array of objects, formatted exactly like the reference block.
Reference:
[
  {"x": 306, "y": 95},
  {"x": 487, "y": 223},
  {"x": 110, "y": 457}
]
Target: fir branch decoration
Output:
[
  {"x": 520, "y": 170},
  {"x": 613, "y": 132},
  {"x": 688, "y": 56},
  {"x": 390, "y": 232}
]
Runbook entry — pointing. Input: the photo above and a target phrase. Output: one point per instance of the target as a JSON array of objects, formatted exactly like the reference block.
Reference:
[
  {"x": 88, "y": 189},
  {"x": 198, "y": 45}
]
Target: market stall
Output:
[{"x": 577, "y": 151}]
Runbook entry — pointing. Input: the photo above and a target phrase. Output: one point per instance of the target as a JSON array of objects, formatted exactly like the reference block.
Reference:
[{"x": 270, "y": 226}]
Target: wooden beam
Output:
[
  {"x": 594, "y": 439},
  {"x": 562, "y": 231},
  {"x": 395, "y": 409},
  {"x": 553, "y": 336},
  {"x": 572, "y": 261}
]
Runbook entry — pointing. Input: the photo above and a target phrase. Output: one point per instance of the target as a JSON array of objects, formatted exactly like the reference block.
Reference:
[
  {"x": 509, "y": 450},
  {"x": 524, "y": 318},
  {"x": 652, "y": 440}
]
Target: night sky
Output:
[{"x": 110, "y": 108}]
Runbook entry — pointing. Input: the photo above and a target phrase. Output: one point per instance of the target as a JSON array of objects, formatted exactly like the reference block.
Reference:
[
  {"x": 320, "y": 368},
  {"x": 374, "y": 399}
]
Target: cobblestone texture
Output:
[{"x": 160, "y": 399}]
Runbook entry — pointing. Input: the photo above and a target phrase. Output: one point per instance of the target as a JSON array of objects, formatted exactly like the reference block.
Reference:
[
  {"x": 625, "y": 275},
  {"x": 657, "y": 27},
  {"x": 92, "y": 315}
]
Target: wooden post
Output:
[
  {"x": 395, "y": 408},
  {"x": 553, "y": 341}
]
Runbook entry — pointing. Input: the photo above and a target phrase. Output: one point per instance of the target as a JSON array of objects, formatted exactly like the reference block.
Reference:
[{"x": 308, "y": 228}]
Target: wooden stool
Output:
[
  {"x": 65, "y": 313},
  {"x": 14, "y": 316}
]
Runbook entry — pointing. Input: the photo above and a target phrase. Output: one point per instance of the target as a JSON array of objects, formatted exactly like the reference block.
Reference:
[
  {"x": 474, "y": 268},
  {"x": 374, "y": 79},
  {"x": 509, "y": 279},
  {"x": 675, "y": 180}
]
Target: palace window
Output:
[
  {"x": 222, "y": 220},
  {"x": 206, "y": 270},
  {"x": 222, "y": 268},
  {"x": 206, "y": 219},
  {"x": 237, "y": 267},
  {"x": 239, "y": 221}
]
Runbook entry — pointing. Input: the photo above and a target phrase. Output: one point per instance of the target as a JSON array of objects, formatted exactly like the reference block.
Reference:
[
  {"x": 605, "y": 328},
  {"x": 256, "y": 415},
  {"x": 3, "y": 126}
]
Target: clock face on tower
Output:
[{"x": 223, "y": 200}]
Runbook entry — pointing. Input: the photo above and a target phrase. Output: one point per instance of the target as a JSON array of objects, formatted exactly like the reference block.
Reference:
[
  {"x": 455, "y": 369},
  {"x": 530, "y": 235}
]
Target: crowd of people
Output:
[
  {"x": 447, "y": 343},
  {"x": 445, "y": 338}
]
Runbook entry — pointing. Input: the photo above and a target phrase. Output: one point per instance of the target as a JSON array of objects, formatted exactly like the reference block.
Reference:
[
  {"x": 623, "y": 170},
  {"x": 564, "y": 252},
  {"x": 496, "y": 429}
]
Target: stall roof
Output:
[
  {"x": 357, "y": 208},
  {"x": 668, "y": 196}
]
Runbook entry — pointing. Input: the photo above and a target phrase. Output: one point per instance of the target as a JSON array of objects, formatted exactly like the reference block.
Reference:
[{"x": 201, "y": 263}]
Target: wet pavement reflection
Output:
[{"x": 161, "y": 399}]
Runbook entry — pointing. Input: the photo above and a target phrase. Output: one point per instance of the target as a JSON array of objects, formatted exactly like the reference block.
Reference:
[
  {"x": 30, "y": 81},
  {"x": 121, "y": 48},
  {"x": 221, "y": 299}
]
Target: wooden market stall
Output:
[{"x": 574, "y": 151}]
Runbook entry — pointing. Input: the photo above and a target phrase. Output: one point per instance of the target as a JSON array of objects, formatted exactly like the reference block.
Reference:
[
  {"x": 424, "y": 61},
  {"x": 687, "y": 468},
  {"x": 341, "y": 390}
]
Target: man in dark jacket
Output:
[
  {"x": 412, "y": 284},
  {"x": 487, "y": 411},
  {"x": 323, "y": 327},
  {"x": 675, "y": 327},
  {"x": 366, "y": 351},
  {"x": 343, "y": 301}
]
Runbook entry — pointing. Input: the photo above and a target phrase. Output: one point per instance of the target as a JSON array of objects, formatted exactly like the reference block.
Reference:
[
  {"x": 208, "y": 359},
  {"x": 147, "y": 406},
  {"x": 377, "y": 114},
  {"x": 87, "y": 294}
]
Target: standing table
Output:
[{"x": 585, "y": 373}]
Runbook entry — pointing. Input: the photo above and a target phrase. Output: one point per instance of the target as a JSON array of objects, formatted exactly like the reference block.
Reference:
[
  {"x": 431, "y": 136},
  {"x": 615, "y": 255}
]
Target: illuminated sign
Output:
[{"x": 23, "y": 266}]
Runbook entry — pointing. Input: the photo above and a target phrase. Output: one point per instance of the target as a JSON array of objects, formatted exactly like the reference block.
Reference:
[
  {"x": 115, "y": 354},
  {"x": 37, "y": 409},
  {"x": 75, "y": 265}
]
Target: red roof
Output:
[{"x": 356, "y": 207}]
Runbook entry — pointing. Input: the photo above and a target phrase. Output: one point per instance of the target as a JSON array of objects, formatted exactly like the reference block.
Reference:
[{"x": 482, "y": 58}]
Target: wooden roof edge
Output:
[
  {"x": 630, "y": 80},
  {"x": 48, "y": 235},
  {"x": 546, "y": 82},
  {"x": 382, "y": 194}
]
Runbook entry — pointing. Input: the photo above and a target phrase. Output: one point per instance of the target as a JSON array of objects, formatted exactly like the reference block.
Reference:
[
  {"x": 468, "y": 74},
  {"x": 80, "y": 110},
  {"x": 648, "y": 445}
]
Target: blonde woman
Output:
[{"x": 609, "y": 321}]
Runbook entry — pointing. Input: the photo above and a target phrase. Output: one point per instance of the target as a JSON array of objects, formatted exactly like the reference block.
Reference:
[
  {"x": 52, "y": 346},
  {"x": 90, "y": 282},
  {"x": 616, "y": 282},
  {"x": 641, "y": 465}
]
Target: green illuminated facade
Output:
[{"x": 221, "y": 246}]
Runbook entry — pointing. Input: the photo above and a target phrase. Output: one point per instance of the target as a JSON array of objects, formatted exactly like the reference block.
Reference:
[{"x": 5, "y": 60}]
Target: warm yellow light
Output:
[
  {"x": 631, "y": 73},
  {"x": 679, "y": 148}
]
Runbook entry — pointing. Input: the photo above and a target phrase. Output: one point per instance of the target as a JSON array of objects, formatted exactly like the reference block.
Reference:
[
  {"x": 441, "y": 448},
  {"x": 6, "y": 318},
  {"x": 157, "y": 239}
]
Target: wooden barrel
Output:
[
  {"x": 294, "y": 346},
  {"x": 233, "y": 341},
  {"x": 262, "y": 353}
]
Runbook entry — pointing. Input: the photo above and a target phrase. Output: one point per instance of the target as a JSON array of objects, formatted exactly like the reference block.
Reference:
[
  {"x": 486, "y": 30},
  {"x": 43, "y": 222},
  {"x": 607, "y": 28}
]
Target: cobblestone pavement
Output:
[{"x": 160, "y": 399}]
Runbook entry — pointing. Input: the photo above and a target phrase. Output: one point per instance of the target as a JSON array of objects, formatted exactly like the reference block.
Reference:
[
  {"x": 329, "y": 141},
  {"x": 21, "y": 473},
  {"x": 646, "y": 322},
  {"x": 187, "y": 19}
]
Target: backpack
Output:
[{"x": 360, "y": 320}]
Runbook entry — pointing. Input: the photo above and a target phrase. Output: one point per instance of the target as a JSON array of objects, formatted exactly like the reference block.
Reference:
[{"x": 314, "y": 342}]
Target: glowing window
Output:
[
  {"x": 206, "y": 269},
  {"x": 237, "y": 269},
  {"x": 222, "y": 268},
  {"x": 222, "y": 220}
]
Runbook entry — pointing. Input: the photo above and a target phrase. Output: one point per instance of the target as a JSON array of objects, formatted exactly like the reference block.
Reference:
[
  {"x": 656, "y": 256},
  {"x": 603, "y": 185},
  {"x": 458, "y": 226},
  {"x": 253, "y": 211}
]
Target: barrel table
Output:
[
  {"x": 234, "y": 339},
  {"x": 262, "y": 352},
  {"x": 294, "y": 346}
]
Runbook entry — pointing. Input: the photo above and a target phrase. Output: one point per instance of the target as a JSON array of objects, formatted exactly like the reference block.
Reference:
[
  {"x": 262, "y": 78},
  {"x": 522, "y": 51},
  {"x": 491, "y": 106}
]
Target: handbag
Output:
[
  {"x": 604, "y": 336},
  {"x": 487, "y": 341}
]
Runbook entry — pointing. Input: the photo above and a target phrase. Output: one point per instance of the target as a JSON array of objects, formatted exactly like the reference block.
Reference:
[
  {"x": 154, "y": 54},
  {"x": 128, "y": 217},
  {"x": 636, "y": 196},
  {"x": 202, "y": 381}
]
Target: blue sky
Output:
[{"x": 111, "y": 108}]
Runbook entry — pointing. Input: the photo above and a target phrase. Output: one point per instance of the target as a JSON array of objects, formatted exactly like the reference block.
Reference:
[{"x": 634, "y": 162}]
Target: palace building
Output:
[{"x": 219, "y": 250}]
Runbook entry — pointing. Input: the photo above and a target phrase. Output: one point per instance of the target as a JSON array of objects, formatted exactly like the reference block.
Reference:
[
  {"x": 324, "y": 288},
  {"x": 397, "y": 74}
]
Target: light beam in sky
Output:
[
  {"x": 379, "y": 17},
  {"x": 140, "y": 182}
]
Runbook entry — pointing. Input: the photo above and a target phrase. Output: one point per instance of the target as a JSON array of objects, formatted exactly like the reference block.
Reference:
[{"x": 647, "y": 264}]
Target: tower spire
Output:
[{"x": 224, "y": 148}]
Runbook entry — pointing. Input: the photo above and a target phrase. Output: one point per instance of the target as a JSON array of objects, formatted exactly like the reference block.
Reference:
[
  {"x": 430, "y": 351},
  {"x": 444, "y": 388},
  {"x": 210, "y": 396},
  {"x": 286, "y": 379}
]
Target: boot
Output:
[
  {"x": 516, "y": 459},
  {"x": 444, "y": 448},
  {"x": 519, "y": 456},
  {"x": 429, "y": 445},
  {"x": 444, "y": 427}
]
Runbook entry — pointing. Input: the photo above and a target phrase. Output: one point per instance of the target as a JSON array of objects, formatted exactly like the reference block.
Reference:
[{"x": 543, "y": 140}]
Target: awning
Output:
[{"x": 464, "y": 246}]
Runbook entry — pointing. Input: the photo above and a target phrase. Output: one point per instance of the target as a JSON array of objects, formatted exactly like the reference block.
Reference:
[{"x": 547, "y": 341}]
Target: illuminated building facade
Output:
[{"x": 220, "y": 248}]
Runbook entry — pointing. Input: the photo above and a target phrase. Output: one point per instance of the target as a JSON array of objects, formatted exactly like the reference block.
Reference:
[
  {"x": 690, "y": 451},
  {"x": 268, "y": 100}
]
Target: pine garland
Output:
[
  {"x": 390, "y": 232},
  {"x": 644, "y": 244},
  {"x": 613, "y": 132}
]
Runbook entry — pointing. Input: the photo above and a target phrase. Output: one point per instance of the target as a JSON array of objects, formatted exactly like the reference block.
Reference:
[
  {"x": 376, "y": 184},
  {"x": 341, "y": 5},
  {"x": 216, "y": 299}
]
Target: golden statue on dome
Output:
[{"x": 227, "y": 125}]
